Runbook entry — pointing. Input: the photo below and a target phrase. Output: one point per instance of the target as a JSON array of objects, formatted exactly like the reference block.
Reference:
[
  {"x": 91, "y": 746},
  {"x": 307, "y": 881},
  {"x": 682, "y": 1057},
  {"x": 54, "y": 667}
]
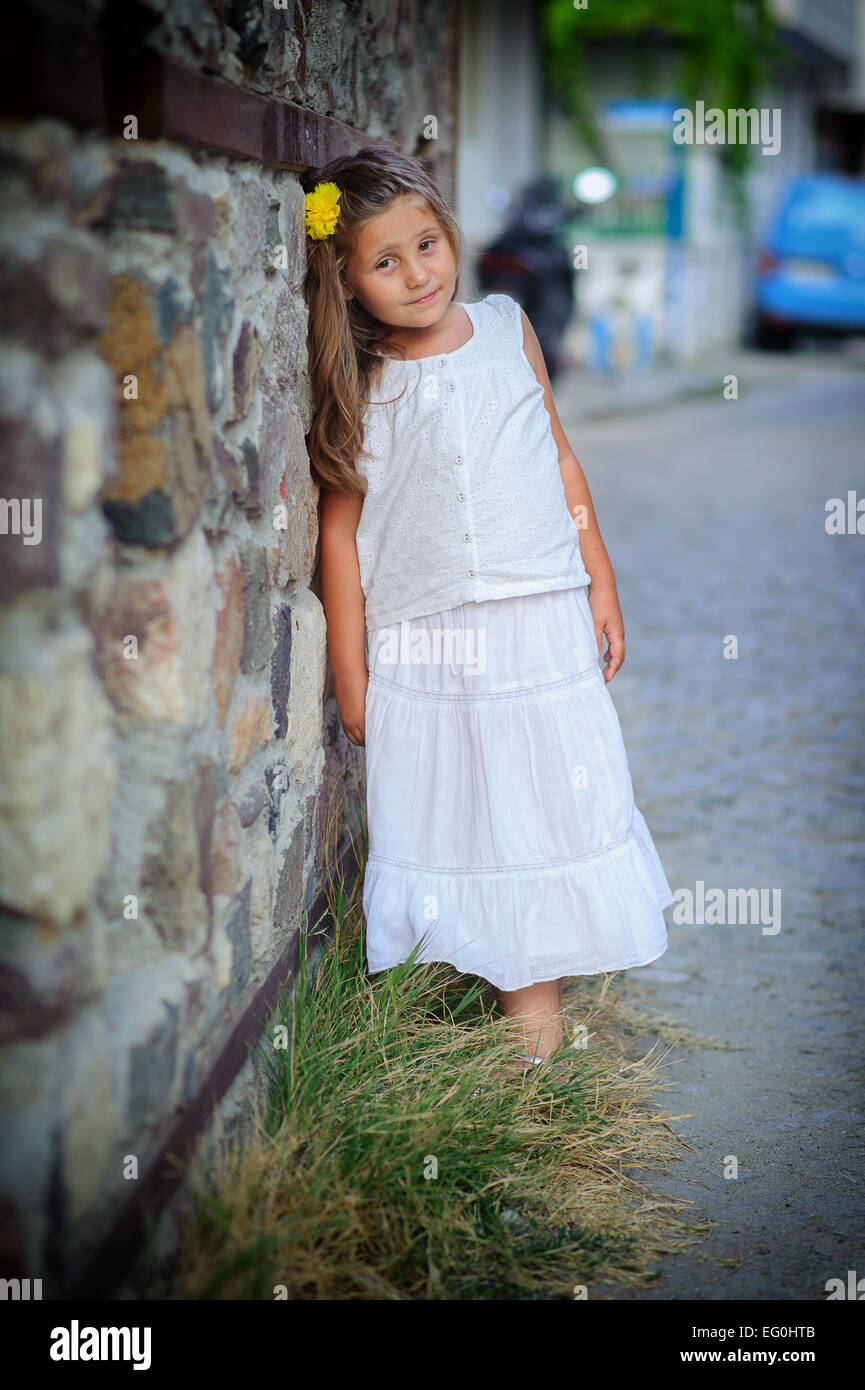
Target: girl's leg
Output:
[{"x": 536, "y": 1014}]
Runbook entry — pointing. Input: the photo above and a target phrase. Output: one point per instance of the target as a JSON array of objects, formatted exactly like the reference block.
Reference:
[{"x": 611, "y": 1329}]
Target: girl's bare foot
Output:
[{"x": 536, "y": 1014}]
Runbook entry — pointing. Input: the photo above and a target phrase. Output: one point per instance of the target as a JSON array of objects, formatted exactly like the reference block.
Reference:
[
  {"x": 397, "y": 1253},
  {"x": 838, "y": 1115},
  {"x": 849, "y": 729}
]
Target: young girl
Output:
[{"x": 467, "y": 591}]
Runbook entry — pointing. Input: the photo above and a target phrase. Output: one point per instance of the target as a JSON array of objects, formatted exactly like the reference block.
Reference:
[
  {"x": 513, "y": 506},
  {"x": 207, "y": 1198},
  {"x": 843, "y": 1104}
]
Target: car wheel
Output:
[{"x": 771, "y": 337}]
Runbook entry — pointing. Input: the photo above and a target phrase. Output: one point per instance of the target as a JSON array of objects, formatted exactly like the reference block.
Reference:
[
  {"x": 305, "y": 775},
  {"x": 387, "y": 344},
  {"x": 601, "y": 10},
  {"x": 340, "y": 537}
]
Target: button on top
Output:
[
  {"x": 466, "y": 538},
  {"x": 441, "y": 361}
]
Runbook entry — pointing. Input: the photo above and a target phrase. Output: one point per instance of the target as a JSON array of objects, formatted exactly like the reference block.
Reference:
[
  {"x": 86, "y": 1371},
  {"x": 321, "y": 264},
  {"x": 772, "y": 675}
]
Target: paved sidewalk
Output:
[
  {"x": 592, "y": 394},
  {"x": 751, "y": 773}
]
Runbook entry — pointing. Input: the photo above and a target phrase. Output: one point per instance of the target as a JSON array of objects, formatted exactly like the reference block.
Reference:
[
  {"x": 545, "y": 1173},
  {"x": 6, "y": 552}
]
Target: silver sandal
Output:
[{"x": 531, "y": 1062}]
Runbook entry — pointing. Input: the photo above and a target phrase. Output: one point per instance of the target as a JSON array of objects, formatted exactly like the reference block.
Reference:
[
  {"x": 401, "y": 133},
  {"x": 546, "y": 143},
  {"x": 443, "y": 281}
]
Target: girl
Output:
[{"x": 467, "y": 591}]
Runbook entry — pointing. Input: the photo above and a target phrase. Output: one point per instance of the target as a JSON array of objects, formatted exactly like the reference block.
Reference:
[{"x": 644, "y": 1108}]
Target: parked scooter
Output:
[{"x": 529, "y": 262}]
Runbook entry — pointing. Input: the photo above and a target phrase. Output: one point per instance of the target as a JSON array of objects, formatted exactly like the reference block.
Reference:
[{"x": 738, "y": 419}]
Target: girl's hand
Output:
[
  {"x": 607, "y": 615},
  {"x": 350, "y": 691}
]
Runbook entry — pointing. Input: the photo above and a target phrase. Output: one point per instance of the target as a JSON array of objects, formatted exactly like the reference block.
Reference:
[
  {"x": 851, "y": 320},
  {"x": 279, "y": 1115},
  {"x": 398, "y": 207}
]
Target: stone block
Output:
[
  {"x": 280, "y": 668},
  {"x": 129, "y": 345},
  {"x": 171, "y": 897},
  {"x": 91, "y": 1141},
  {"x": 39, "y": 151},
  {"x": 277, "y": 780},
  {"x": 277, "y": 436},
  {"x": 262, "y": 862},
  {"x": 53, "y": 302},
  {"x": 81, "y": 458},
  {"x": 85, "y": 395},
  {"x": 237, "y": 929},
  {"x": 153, "y": 1068},
  {"x": 27, "y": 1078},
  {"x": 57, "y": 753},
  {"x": 79, "y": 282},
  {"x": 90, "y": 170},
  {"x": 248, "y": 24},
  {"x": 169, "y": 309},
  {"x": 257, "y": 638},
  {"x": 140, "y": 198},
  {"x": 186, "y": 389},
  {"x": 215, "y": 307},
  {"x": 248, "y": 222},
  {"x": 248, "y": 493},
  {"x": 194, "y": 213},
  {"x": 273, "y": 239},
  {"x": 251, "y": 729},
  {"x": 146, "y": 1016},
  {"x": 252, "y": 803},
  {"x": 43, "y": 983},
  {"x": 191, "y": 454},
  {"x": 226, "y": 478},
  {"x": 146, "y": 683},
  {"x": 149, "y": 522},
  {"x": 172, "y": 618},
  {"x": 245, "y": 367},
  {"x": 289, "y": 899},
  {"x": 84, "y": 550},
  {"x": 286, "y": 362},
  {"x": 226, "y": 847},
  {"x": 165, "y": 450},
  {"x": 229, "y": 634},
  {"x": 137, "y": 500},
  {"x": 308, "y": 657},
  {"x": 296, "y": 518},
  {"x": 222, "y": 212},
  {"x": 29, "y": 510}
]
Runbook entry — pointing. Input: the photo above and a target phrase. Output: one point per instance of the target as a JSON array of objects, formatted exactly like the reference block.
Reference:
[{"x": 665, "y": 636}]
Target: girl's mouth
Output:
[{"x": 427, "y": 297}]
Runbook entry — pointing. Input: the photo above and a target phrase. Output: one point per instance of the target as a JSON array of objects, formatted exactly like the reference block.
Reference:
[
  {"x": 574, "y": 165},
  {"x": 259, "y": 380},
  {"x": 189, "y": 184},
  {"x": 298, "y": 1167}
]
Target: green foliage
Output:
[{"x": 725, "y": 49}]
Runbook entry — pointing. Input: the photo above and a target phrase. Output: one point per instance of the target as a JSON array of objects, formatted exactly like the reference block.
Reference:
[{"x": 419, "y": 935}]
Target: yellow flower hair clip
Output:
[{"x": 322, "y": 210}]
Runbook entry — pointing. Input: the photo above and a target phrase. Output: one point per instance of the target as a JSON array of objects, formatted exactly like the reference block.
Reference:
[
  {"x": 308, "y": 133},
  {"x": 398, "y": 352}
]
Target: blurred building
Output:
[
  {"x": 670, "y": 255},
  {"x": 500, "y": 117}
]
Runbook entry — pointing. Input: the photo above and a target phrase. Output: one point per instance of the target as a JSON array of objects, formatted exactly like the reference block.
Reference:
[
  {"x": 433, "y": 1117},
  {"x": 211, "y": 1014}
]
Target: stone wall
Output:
[{"x": 168, "y": 734}]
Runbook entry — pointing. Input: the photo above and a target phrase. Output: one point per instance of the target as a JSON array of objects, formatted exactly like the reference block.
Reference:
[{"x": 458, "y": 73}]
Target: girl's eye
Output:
[{"x": 427, "y": 241}]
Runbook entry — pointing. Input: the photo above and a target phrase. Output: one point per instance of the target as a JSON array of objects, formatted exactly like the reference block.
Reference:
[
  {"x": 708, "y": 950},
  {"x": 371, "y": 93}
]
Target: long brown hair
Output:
[{"x": 344, "y": 340}]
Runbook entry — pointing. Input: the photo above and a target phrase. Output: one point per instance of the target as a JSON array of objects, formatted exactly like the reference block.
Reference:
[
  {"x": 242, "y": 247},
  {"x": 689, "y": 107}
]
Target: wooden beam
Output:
[{"x": 65, "y": 67}]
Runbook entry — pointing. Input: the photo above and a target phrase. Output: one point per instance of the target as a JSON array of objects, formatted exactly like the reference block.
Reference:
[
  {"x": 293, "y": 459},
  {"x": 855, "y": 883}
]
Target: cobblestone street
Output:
[{"x": 750, "y": 775}]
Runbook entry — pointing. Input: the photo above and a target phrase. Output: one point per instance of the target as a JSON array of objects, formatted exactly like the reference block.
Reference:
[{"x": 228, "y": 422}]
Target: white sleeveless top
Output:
[{"x": 465, "y": 499}]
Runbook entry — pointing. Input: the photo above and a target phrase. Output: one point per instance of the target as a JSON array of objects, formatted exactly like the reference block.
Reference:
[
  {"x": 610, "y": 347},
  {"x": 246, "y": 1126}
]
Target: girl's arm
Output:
[
  {"x": 344, "y": 608},
  {"x": 603, "y": 598}
]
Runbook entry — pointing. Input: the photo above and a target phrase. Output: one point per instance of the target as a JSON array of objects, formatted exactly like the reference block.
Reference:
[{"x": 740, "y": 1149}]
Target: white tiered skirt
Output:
[{"x": 503, "y": 832}]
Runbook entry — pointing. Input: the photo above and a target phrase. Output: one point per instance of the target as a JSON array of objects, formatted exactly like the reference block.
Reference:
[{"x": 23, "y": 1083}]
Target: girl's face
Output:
[{"x": 400, "y": 258}]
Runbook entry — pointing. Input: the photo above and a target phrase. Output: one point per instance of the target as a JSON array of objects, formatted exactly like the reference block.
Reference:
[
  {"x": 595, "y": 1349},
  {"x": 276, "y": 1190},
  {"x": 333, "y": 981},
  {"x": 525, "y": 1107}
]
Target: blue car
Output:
[{"x": 811, "y": 269}]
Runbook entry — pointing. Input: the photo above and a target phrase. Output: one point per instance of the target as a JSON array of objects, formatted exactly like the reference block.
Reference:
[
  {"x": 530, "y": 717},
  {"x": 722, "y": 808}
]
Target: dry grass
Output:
[{"x": 393, "y": 1160}]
